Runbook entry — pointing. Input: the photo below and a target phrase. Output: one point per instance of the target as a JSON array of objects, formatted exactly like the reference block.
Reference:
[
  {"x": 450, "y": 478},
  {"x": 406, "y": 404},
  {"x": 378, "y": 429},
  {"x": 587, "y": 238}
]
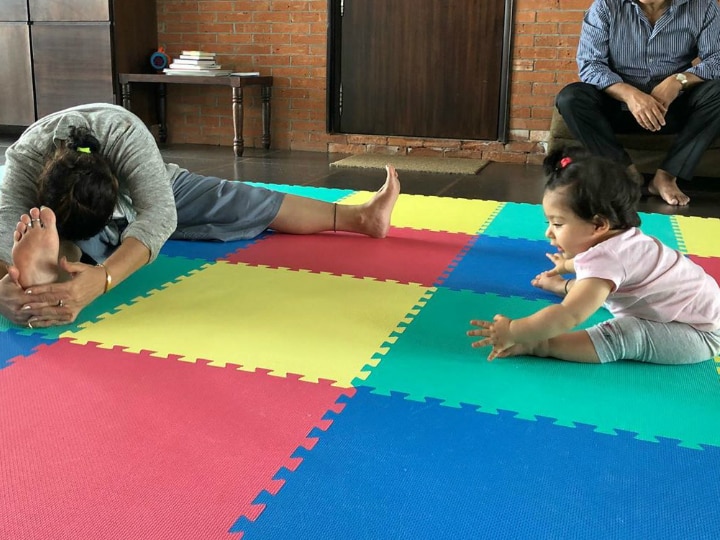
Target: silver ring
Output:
[
  {"x": 33, "y": 220},
  {"x": 60, "y": 303},
  {"x": 30, "y": 326}
]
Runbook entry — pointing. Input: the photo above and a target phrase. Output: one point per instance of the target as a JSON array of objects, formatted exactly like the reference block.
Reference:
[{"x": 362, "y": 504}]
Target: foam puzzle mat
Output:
[{"x": 303, "y": 387}]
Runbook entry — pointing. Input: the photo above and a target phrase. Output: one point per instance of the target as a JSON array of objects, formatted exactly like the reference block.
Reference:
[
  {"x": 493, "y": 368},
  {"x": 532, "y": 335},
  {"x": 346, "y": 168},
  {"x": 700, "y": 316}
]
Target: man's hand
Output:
[
  {"x": 648, "y": 110},
  {"x": 667, "y": 91}
]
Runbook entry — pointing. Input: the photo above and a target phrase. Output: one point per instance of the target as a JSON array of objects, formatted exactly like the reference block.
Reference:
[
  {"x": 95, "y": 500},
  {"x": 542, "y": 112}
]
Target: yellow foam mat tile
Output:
[
  {"x": 468, "y": 216},
  {"x": 320, "y": 326},
  {"x": 697, "y": 236}
]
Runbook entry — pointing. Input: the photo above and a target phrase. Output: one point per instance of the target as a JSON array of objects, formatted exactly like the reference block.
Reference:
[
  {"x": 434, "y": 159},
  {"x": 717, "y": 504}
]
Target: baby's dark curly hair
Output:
[
  {"x": 594, "y": 186},
  {"x": 79, "y": 186}
]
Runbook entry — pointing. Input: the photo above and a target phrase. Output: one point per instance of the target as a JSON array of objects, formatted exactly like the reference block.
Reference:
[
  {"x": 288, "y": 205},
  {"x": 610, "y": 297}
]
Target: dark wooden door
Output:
[{"x": 423, "y": 68}]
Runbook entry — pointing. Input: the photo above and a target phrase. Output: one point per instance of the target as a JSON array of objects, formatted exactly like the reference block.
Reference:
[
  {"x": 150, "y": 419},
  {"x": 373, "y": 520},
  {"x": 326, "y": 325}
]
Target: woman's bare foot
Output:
[
  {"x": 554, "y": 284},
  {"x": 664, "y": 185},
  {"x": 302, "y": 215},
  {"x": 36, "y": 246},
  {"x": 374, "y": 216}
]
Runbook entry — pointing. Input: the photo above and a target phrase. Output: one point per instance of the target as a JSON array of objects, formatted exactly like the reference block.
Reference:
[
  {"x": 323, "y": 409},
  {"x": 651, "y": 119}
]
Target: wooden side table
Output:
[{"x": 237, "y": 84}]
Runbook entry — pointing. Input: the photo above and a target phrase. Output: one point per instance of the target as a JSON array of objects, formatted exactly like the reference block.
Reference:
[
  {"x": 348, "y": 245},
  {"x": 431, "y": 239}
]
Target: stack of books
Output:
[{"x": 199, "y": 63}]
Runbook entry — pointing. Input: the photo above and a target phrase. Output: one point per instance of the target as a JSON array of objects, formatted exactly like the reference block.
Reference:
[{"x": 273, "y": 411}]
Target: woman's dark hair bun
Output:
[{"x": 78, "y": 183}]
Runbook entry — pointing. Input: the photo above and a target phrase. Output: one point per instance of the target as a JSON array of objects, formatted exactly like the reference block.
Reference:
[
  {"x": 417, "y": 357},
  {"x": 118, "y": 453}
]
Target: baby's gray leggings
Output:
[{"x": 629, "y": 338}]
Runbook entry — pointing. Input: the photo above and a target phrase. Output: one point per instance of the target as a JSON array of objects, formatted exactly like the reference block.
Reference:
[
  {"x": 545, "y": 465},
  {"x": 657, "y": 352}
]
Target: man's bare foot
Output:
[
  {"x": 554, "y": 284},
  {"x": 36, "y": 246},
  {"x": 375, "y": 214},
  {"x": 664, "y": 185}
]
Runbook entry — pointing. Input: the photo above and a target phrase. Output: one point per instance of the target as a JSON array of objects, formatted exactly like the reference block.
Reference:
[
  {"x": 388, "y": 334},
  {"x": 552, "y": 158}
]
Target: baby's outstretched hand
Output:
[
  {"x": 482, "y": 331},
  {"x": 558, "y": 260},
  {"x": 496, "y": 333}
]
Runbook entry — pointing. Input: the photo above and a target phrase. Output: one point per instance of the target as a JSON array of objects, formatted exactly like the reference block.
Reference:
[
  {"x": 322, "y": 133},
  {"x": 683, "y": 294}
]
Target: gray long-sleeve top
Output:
[{"x": 145, "y": 180}]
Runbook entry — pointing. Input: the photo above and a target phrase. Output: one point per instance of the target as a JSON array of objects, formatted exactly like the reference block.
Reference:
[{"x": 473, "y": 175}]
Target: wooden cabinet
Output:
[
  {"x": 13, "y": 10},
  {"x": 17, "y": 106},
  {"x": 73, "y": 10},
  {"x": 60, "y": 53}
]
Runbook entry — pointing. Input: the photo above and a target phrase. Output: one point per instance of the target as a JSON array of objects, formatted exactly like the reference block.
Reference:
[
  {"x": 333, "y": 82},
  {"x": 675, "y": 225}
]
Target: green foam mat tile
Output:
[
  {"x": 162, "y": 271},
  {"x": 433, "y": 358}
]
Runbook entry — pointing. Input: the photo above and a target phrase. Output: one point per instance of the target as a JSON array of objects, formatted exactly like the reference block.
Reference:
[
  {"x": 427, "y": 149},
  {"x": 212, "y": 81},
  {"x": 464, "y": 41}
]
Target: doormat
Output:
[{"x": 414, "y": 163}]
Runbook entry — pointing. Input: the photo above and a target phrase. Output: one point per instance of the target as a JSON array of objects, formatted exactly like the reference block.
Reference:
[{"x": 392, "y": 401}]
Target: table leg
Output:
[
  {"x": 237, "y": 109},
  {"x": 162, "y": 113},
  {"x": 125, "y": 90},
  {"x": 265, "y": 92}
]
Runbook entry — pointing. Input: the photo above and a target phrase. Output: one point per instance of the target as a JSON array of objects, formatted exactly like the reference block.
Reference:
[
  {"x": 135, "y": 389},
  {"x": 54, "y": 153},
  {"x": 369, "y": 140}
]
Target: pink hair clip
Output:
[{"x": 564, "y": 162}]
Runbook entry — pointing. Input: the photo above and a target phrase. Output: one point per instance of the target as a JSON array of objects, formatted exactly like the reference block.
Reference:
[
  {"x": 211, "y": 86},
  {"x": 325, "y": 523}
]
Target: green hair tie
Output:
[{"x": 83, "y": 149}]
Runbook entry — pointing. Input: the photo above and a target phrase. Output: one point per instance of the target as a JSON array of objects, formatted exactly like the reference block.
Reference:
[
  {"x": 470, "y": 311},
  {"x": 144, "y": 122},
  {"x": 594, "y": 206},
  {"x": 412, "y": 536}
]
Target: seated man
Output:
[{"x": 635, "y": 61}]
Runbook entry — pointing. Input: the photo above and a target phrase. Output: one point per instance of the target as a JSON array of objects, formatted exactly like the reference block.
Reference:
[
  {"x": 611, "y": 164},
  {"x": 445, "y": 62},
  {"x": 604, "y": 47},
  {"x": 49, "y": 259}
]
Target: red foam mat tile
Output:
[
  {"x": 98, "y": 443},
  {"x": 405, "y": 256}
]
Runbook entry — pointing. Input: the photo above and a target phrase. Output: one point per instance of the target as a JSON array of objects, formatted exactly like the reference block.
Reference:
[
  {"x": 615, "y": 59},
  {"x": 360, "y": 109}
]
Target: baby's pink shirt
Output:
[{"x": 652, "y": 281}]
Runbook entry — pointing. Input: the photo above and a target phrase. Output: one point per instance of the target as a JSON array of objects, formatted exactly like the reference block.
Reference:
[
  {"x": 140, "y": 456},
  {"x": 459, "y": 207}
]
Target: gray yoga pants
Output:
[
  {"x": 208, "y": 208},
  {"x": 629, "y": 338},
  {"x": 211, "y": 208}
]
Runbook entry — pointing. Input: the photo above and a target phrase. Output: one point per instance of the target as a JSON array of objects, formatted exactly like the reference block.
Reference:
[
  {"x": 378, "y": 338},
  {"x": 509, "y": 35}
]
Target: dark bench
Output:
[{"x": 646, "y": 150}]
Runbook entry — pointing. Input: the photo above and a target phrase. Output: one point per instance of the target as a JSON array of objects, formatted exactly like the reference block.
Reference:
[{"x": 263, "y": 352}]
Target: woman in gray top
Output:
[{"x": 89, "y": 183}]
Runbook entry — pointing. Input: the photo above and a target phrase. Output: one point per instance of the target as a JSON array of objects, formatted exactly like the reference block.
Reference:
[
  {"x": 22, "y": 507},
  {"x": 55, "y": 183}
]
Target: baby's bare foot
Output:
[
  {"x": 36, "y": 247},
  {"x": 375, "y": 214},
  {"x": 665, "y": 186},
  {"x": 554, "y": 284}
]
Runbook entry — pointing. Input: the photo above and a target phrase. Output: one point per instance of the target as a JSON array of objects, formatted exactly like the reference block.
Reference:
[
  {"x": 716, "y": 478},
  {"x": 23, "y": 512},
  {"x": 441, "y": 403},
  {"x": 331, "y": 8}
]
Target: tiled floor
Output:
[{"x": 497, "y": 181}]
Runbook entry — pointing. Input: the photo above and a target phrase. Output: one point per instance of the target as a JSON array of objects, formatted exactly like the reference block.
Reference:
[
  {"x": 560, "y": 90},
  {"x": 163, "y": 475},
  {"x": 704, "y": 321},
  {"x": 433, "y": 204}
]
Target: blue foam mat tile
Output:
[
  {"x": 394, "y": 468},
  {"x": 504, "y": 266},
  {"x": 207, "y": 251},
  {"x": 14, "y": 344}
]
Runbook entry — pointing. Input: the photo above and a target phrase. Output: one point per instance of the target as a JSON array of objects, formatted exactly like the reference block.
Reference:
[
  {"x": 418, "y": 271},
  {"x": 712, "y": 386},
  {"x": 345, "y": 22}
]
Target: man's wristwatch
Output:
[{"x": 682, "y": 79}]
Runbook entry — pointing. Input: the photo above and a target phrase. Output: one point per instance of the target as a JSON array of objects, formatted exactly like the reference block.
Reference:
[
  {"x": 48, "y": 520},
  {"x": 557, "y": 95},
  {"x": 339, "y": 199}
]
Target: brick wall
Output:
[{"x": 288, "y": 40}]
